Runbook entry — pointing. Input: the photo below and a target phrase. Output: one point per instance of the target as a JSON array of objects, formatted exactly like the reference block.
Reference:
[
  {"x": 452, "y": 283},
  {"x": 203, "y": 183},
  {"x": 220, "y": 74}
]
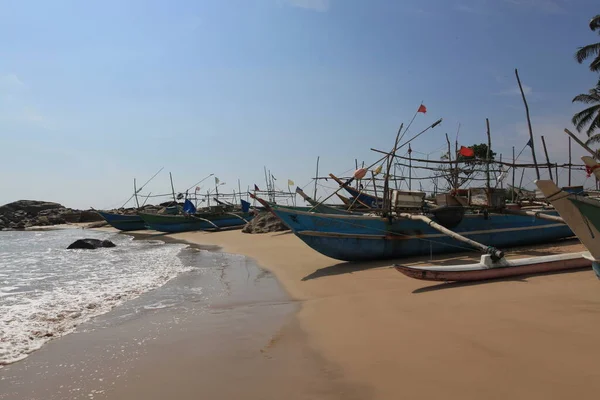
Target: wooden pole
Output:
[
  {"x": 409, "y": 168},
  {"x": 512, "y": 199},
  {"x": 452, "y": 178},
  {"x": 487, "y": 157},
  {"x": 374, "y": 183},
  {"x": 135, "y": 194},
  {"x": 173, "y": 188},
  {"x": 316, "y": 179},
  {"x": 592, "y": 152},
  {"x": 537, "y": 170},
  {"x": 569, "y": 160},
  {"x": 547, "y": 159}
]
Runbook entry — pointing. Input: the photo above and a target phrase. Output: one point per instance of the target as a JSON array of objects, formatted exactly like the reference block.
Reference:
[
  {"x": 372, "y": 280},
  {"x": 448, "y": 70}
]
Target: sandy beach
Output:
[
  {"x": 533, "y": 337},
  {"x": 342, "y": 331}
]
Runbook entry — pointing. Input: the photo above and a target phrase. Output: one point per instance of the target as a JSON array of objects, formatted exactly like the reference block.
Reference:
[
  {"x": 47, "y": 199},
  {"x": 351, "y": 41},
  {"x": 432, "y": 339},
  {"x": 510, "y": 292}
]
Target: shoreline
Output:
[
  {"x": 248, "y": 332},
  {"x": 394, "y": 335}
]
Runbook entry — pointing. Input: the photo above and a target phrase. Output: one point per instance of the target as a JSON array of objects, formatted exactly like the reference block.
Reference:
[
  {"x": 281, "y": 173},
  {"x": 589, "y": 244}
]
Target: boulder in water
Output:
[{"x": 90, "y": 244}]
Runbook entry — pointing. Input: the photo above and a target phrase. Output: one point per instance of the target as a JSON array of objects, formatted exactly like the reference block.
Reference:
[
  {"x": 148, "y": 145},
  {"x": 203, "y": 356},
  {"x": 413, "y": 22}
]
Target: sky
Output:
[{"x": 96, "y": 93}]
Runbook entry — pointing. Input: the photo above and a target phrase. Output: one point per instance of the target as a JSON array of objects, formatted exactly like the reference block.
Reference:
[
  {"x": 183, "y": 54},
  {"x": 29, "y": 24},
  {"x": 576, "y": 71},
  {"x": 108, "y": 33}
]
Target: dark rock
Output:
[
  {"x": 90, "y": 244},
  {"x": 71, "y": 216},
  {"x": 31, "y": 207},
  {"x": 90, "y": 216},
  {"x": 263, "y": 223}
]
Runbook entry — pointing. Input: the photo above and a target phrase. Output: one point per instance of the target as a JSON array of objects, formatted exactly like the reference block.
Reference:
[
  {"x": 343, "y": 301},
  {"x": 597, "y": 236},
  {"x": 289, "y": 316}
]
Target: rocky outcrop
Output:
[
  {"x": 90, "y": 244},
  {"x": 27, "y": 213},
  {"x": 265, "y": 222}
]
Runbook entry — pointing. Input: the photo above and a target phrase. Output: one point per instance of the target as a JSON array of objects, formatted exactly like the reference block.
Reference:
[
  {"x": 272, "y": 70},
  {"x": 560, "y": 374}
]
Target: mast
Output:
[
  {"x": 537, "y": 170},
  {"x": 487, "y": 157},
  {"x": 547, "y": 159},
  {"x": 316, "y": 179},
  {"x": 513, "y": 176},
  {"x": 172, "y": 188},
  {"x": 569, "y": 160},
  {"x": 135, "y": 193},
  {"x": 409, "y": 168}
]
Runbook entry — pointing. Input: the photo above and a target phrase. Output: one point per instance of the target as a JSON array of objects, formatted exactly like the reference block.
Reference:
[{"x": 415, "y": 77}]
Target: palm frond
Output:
[
  {"x": 595, "y": 23},
  {"x": 582, "y": 118},
  {"x": 585, "y": 52},
  {"x": 595, "y": 65},
  {"x": 586, "y": 98},
  {"x": 595, "y": 124},
  {"x": 594, "y": 139}
]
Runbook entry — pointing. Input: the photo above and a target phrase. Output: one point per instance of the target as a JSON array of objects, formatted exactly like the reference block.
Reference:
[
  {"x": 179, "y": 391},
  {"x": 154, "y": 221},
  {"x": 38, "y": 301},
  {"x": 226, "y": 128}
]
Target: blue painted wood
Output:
[
  {"x": 123, "y": 222},
  {"x": 354, "y": 238},
  {"x": 187, "y": 223}
]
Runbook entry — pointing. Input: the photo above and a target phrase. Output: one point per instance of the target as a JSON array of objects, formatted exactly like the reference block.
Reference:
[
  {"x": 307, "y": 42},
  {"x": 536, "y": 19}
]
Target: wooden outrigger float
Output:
[{"x": 487, "y": 268}]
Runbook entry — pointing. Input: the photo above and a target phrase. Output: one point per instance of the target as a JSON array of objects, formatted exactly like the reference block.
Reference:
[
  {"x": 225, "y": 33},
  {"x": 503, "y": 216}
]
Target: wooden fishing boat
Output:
[
  {"x": 364, "y": 199},
  {"x": 215, "y": 219},
  {"x": 123, "y": 222},
  {"x": 372, "y": 237},
  {"x": 489, "y": 269},
  {"x": 582, "y": 214}
]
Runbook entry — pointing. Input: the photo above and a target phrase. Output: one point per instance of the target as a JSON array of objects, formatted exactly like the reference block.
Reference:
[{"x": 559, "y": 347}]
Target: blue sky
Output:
[{"x": 93, "y": 94}]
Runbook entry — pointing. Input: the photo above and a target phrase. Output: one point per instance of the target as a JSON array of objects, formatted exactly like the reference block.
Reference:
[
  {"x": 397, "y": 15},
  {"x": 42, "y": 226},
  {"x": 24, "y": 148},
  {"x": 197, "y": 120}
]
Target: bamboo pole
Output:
[
  {"x": 316, "y": 177},
  {"x": 495, "y": 253},
  {"x": 135, "y": 193},
  {"x": 547, "y": 158},
  {"x": 452, "y": 178},
  {"x": 374, "y": 183},
  {"x": 409, "y": 169},
  {"x": 512, "y": 199},
  {"x": 592, "y": 152},
  {"x": 487, "y": 156},
  {"x": 537, "y": 170},
  {"x": 172, "y": 188},
  {"x": 569, "y": 160}
]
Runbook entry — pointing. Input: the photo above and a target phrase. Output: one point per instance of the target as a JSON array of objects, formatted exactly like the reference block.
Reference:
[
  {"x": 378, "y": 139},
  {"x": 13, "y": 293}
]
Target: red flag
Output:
[
  {"x": 422, "y": 109},
  {"x": 256, "y": 188},
  {"x": 466, "y": 151}
]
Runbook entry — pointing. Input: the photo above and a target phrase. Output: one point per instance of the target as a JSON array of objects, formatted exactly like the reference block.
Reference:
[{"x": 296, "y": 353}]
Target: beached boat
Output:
[
  {"x": 582, "y": 214},
  {"x": 490, "y": 269},
  {"x": 213, "y": 219},
  {"x": 123, "y": 222},
  {"x": 371, "y": 237}
]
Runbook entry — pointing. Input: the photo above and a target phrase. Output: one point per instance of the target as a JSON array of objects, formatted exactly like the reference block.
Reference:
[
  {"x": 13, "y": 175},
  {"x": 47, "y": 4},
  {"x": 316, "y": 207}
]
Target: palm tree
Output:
[
  {"x": 590, "y": 116},
  {"x": 591, "y": 50}
]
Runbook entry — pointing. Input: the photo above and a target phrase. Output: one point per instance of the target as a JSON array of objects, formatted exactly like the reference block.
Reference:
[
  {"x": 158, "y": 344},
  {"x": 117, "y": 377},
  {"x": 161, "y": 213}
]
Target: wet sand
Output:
[
  {"x": 532, "y": 337},
  {"x": 224, "y": 330}
]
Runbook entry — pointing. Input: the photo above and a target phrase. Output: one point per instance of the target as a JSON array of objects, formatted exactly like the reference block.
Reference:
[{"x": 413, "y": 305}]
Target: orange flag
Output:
[{"x": 422, "y": 109}]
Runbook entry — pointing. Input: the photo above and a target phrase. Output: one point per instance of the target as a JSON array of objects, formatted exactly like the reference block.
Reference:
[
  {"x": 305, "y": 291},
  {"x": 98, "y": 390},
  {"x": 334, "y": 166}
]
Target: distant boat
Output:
[
  {"x": 359, "y": 197},
  {"x": 370, "y": 237},
  {"x": 582, "y": 214},
  {"x": 123, "y": 222},
  {"x": 213, "y": 218}
]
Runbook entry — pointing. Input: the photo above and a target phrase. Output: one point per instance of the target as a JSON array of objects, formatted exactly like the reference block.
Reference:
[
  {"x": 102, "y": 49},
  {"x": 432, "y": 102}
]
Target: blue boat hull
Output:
[
  {"x": 123, "y": 222},
  {"x": 359, "y": 238},
  {"x": 180, "y": 223}
]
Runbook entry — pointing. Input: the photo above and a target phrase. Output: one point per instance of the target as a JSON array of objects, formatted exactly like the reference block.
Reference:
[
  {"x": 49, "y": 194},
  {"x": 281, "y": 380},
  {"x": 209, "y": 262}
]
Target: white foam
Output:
[{"x": 47, "y": 293}]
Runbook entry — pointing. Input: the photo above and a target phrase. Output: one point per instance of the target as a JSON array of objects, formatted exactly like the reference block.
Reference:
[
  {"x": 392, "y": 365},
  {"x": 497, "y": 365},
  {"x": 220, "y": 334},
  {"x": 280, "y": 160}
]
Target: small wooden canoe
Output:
[{"x": 487, "y": 269}]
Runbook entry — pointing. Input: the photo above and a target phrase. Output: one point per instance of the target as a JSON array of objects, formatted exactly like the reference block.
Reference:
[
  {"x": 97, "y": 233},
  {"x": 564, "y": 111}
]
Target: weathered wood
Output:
[
  {"x": 512, "y": 198},
  {"x": 535, "y": 214},
  {"x": 495, "y": 253},
  {"x": 569, "y": 160},
  {"x": 592, "y": 152},
  {"x": 537, "y": 170},
  {"x": 135, "y": 193},
  {"x": 547, "y": 159},
  {"x": 487, "y": 156}
]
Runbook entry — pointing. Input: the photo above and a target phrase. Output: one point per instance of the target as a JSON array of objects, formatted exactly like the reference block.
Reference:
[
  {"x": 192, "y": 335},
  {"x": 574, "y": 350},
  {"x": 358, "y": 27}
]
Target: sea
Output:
[{"x": 47, "y": 291}]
